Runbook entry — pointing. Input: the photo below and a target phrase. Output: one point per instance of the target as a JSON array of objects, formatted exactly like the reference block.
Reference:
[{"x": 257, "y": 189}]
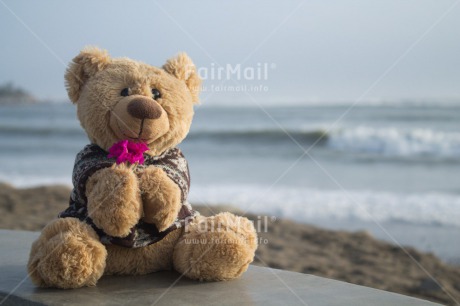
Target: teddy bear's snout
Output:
[
  {"x": 138, "y": 117},
  {"x": 144, "y": 108}
]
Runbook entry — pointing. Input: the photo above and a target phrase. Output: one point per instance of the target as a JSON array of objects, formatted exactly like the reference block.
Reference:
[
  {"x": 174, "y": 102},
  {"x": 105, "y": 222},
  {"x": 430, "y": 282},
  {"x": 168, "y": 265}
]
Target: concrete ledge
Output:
[{"x": 259, "y": 286}]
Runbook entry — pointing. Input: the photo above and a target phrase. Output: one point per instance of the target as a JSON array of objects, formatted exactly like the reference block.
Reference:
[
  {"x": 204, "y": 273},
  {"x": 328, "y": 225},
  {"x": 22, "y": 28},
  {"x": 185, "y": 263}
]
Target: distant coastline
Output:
[{"x": 10, "y": 94}]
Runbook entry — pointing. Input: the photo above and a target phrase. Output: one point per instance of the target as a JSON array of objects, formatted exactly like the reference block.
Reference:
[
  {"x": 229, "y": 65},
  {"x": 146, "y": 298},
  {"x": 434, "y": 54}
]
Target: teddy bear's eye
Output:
[
  {"x": 156, "y": 94},
  {"x": 124, "y": 92}
]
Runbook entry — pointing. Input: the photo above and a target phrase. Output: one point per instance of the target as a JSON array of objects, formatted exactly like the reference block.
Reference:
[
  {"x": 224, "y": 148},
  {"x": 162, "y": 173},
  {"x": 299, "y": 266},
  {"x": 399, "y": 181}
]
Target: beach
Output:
[
  {"x": 355, "y": 257},
  {"x": 338, "y": 199}
]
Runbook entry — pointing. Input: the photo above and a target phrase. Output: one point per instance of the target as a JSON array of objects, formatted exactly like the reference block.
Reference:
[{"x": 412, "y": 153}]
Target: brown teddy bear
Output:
[{"x": 128, "y": 211}]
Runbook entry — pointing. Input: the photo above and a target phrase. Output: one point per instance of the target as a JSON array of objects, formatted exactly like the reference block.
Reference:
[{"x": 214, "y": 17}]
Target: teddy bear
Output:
[{"x": 128, "y": 212}]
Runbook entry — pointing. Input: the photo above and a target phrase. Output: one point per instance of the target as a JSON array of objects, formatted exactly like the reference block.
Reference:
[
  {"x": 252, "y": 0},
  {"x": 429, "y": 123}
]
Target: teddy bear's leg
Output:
[
  {"x": 148, "y": 259},
  {"x": 67, "y": 254},
  {"x": 216, "y": 248}
]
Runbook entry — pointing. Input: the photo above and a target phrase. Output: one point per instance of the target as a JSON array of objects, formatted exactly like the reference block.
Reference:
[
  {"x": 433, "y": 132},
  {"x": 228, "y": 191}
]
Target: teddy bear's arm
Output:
[
  {"x": 161, "y": 197},
  {"x": 114, "y": 202}
]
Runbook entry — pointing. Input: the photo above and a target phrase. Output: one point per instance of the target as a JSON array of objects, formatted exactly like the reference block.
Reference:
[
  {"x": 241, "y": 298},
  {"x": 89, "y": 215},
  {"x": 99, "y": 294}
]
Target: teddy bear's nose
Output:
[{"x": 144, "y": 109}]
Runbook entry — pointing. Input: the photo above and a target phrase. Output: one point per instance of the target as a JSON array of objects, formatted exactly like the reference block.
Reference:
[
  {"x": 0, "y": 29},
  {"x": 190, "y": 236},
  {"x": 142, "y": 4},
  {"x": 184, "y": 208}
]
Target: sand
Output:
[{"x": 356, "y": 257}]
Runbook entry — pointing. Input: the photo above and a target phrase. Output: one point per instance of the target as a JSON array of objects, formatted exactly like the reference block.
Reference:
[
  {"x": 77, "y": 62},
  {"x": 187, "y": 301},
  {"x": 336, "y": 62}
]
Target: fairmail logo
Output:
[{"x": 259, "y": 72}]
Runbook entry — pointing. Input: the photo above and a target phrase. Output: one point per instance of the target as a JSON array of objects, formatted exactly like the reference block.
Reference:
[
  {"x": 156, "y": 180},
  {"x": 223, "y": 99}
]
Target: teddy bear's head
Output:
[{"x": 122, "y": 99}]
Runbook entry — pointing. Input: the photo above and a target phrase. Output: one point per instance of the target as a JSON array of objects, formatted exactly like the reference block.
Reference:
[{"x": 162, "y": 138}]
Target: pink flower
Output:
[{"x": 128, "y": 151}]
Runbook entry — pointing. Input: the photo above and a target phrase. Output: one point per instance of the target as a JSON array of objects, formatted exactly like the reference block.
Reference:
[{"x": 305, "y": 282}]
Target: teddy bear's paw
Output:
[
  {"x": 161, "y": 198},
  {"x": 71, "y": 259},
  {"x": 114, "y": 202},
  {"x": 216, "y": 248}
]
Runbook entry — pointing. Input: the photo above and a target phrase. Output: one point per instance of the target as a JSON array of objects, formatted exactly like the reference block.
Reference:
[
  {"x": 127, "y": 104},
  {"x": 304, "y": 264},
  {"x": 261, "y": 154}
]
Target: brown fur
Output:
[
  {"x": 114, "y": 202},
  {"x": 216, "y": 248},
  {"x": 68, "y": 254},
  {"x": 155, "y": 257},
  {"x": 161, "y": 198}
]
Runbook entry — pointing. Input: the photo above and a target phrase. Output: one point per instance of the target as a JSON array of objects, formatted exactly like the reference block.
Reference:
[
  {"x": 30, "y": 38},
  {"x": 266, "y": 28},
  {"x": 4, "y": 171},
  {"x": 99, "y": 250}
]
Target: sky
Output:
[{"x": 306, "y": 51}]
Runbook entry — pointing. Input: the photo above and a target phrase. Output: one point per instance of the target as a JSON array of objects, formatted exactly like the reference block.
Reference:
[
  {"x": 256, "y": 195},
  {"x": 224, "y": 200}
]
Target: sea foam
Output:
[
  {"x": 305, "y": 205},
  {"x": 396, "y": 142}
]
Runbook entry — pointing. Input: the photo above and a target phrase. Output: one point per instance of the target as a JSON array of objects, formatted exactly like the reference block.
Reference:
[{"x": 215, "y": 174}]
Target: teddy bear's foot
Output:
[
  {"x": 67, "y": 254},
  {"x": 216, "y": 248}
]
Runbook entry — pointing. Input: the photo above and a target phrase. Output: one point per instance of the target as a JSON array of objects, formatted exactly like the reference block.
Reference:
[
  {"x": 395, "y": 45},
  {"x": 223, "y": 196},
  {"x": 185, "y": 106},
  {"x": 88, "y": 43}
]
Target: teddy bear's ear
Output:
[
  {"x": 182, "y": 67},
  {"x": 83, "y": 66}
]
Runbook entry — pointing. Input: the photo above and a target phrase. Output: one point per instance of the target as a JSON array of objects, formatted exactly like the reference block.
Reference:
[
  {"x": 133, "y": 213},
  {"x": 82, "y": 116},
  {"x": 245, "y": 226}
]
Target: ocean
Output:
[{"x": 392, "y": 170}]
